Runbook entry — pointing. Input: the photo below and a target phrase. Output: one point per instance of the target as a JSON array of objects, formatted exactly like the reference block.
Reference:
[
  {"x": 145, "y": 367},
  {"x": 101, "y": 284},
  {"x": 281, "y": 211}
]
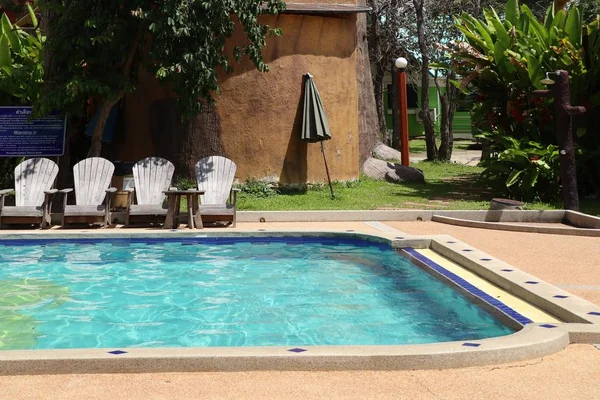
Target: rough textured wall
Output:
[{"x": 261, "y": 114}]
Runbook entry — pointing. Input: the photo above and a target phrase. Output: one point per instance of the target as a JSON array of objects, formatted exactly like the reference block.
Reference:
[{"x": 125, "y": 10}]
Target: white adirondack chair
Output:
[
  {"x": 33, "y": 180},
  {"x": 92, "y": 178},
  {"x": 151, "y": 176},
  {"x": 215, "y": 176}
]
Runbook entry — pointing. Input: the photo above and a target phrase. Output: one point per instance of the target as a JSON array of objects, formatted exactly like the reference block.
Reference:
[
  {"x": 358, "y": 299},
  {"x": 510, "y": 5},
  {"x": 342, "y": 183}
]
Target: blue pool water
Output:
[{"x": 230, "y": 292}]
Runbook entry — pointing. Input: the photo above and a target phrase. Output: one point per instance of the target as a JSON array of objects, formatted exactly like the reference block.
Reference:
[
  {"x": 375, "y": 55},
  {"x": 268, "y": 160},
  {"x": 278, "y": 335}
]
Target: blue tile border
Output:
[
  {"x": 297, "y": 350},
  {"x": 560, "y": 296},
  {"x": 117, "y": 352},
  {"x": 469, "y": 344},
  {"x": 500, "y": 306},
  {"x": 548, "y": 326},
  {"x": 594, "y": 313},
  {"x": 215, "y": 240}
]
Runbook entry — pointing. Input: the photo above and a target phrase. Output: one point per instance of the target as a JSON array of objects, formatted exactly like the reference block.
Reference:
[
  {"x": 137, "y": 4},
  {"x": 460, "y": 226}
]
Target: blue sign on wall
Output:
[{"x": 21, "y": 136}]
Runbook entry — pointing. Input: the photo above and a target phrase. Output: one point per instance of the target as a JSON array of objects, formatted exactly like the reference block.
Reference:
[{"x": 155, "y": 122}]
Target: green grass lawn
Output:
[{"x": 447, "y": 187}]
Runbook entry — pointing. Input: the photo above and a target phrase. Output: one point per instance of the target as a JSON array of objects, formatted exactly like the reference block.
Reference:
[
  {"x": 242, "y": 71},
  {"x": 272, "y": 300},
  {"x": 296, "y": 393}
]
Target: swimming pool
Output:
[{"x": 232, "y": 292}]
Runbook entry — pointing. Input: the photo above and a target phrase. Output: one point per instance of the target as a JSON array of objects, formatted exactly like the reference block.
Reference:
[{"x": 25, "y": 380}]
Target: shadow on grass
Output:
[{"x": 462, "y": 187}]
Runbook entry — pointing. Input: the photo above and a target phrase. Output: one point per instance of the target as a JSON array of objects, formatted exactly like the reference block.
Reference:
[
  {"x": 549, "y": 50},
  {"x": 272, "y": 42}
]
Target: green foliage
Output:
[
  {"x": 186, "y": 184},
  {"x": 21, "y": 69},
  {"x": 256, "y": 188},
  {"x": 526, "y": 169},
  {"x": 502, "y": 61},
  {"x": 97, "y": 47}
]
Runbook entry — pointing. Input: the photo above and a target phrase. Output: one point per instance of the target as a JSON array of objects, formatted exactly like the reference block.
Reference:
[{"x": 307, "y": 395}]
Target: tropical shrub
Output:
[
  {"x": 21, "y": 67},
  {"x": 501, "y": 62}
]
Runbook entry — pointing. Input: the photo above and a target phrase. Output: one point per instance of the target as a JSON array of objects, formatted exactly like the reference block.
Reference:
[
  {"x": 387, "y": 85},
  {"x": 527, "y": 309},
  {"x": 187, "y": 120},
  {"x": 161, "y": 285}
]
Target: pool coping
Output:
[{"x": 582, "y": 323}]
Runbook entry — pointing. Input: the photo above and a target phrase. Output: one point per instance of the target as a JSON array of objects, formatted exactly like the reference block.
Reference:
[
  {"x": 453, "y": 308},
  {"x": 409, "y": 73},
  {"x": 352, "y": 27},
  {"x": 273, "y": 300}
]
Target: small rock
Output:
[{"x": 392, "y": 172}]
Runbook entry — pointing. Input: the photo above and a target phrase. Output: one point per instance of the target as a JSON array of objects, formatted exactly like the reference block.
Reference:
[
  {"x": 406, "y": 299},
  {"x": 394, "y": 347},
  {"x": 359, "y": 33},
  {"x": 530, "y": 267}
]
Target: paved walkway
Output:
[
  {"x": 571, "y": 262},
  {"x": 467, "y": 157},
  {"x": 573, "y": 373}
]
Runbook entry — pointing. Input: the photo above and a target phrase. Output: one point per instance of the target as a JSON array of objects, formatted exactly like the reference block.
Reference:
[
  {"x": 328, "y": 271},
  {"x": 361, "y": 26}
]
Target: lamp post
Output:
[{"x": 401, "y": 64}]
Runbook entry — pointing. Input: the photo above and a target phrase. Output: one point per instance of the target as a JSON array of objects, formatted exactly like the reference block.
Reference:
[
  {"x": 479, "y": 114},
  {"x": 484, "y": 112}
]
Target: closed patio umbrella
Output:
[{"x": 314, "y": 121}]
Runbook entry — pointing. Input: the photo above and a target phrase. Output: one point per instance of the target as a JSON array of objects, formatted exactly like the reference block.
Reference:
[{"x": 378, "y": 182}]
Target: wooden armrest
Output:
[
  {"x": 51, "y": 191},
  {"x": 6, "y": 191},
  {"x": 65, "y": 190},
  {"x": 129, "y": 190},
  {"x": 111, "y": 190}
]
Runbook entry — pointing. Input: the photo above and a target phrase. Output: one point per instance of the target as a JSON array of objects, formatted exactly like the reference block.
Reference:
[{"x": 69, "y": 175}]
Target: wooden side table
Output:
[{"x": 173, "y": 213}]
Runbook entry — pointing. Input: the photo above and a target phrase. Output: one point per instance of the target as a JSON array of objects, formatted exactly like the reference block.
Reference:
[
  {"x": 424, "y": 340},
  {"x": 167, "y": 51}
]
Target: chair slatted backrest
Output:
[
  {"x": 92, "y": 177},
  {"x": 32, "y": 177},
  {"x": 215, "y": 176},
  {"x": 152, "y": 176}
]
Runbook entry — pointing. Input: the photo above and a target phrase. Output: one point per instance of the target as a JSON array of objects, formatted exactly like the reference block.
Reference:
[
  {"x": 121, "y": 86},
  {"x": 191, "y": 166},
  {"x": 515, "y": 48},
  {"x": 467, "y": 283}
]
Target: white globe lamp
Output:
[{"x": 401, "y": 63}]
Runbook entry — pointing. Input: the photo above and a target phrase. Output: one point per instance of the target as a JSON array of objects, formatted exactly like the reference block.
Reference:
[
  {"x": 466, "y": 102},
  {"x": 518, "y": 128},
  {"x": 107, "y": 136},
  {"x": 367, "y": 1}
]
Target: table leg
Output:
[
  {"x": 170, "y": 213},
  {"x": 190, "y": 207},
  {"x": 197, "y": 215},
  {"x": 177, "y": 210}
]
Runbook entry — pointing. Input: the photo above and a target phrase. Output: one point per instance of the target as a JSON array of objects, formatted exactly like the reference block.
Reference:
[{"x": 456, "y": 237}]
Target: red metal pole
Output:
[{"x": 403, "y": 109}]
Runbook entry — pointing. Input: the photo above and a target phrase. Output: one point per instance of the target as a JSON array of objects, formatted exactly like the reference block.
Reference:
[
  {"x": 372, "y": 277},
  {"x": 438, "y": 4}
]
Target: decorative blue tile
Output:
[
  {"x": 596, "y": 313},
  {"x": 451, "y": 242},
  {"x": 262, "y": 230},
  {"x": 548, "y": 326},
  {"x": 469, "y": 344},
  {"x": 349, "y": 230},
  {"x": 560, "y": 296},
  {"x": 485, "y": 259},
  {"x": 531, "y": 282},
  {"x": 467, "y": 250},
  {"x": 117, "y": 352},
  {"x": 297, "y": 350},
  {"x": 521, "y": 319},
  {"x": 506, "y": 270},
  {"x": 399, "y": 237}
]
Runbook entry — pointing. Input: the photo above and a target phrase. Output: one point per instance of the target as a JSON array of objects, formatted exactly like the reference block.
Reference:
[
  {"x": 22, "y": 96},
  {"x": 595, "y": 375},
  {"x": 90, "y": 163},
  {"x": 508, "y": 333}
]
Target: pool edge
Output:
[{"x": 534, "y": 340}]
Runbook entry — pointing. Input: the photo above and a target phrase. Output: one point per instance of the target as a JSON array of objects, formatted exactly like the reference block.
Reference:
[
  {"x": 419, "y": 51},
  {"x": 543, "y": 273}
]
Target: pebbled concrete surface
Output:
[
  {"x": 571, "y": 374},
  {"x": 557, "y": 259}
]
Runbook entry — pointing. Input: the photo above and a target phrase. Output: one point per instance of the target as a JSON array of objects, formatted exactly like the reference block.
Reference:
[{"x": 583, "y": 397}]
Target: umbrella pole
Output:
[{"x": 327, "y": 169}]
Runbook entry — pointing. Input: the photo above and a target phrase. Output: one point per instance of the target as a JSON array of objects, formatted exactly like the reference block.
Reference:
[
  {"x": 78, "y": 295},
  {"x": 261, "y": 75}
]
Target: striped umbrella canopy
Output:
[{"x": 315, "y": 127}]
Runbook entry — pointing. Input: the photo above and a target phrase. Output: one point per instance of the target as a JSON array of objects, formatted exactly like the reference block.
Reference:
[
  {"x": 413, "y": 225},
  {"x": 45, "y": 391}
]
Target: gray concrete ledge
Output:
[
  {"x": 531, "y": 342},
  {"x": 505, "y": 226},
  {"x": 554, "y": 216},
  {"x": 581, "y": 220}
]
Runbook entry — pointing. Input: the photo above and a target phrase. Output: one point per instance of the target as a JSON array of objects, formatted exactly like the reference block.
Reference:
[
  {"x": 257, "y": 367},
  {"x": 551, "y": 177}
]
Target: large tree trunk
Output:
[
  {"x": 374, "y": 35},
  {"x": 184, "y": 141},
  {"x": 432, "y": 151},
  {"x": 106, "y": 104},
  {"x": 448, "y": 99},
  {"x": 368, "y": 125},
  {"x": 103, "y": 111},
  {"x": 378, "y": 82}
]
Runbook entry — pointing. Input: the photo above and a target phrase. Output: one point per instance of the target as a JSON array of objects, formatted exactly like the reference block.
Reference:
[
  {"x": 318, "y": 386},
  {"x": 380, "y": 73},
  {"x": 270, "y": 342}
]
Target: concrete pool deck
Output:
[{"x": 542, "y": 255}]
